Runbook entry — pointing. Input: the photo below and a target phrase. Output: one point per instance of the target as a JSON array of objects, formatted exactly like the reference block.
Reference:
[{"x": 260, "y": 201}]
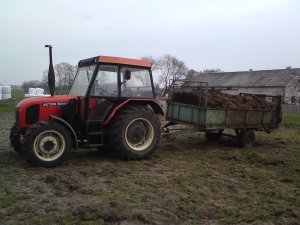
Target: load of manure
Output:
[{"x": 224, "y": 101}]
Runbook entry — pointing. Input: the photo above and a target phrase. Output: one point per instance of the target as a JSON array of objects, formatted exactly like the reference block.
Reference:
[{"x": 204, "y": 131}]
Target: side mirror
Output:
[{"x": 127, "y": 75}]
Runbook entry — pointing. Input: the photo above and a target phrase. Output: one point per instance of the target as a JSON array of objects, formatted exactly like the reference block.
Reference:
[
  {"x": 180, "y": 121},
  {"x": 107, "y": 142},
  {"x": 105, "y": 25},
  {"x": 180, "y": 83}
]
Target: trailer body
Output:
[
  {"x": 211, "y": 118},
  {"x": 213, "y": 121}
]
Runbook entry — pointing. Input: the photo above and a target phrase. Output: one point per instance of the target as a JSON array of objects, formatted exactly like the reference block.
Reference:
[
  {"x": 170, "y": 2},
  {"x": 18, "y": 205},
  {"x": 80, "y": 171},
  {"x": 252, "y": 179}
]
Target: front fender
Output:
[
  {"x": 152, "y": 102},
  {"x": 69, "y": 127}
]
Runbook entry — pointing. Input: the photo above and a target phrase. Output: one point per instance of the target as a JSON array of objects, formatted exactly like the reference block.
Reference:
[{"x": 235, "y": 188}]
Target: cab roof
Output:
[
  {"x": 124, "y": 61},
  {"x": 116, "y": 60}
]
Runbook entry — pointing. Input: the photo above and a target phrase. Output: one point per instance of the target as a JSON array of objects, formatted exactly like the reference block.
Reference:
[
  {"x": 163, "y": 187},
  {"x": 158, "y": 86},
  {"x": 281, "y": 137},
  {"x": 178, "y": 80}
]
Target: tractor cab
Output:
[{"x": 113, "y": 77}]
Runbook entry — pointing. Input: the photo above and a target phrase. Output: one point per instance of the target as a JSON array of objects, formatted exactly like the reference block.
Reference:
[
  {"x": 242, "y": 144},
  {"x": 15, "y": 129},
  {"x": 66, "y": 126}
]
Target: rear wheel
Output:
[
  {"x": 246, "y": 139},
  {"x": 15, "y": 139},
  {"x": 46, "y": 144},
  {"x": 134, "y": 133}
]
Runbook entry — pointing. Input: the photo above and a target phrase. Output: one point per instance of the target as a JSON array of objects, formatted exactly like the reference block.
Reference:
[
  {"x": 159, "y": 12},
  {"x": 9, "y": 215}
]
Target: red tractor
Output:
[{"x": 111, "y": 103}]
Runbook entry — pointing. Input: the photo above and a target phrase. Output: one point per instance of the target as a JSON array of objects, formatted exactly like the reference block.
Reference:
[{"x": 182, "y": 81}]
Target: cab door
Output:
[{"x": 103, "y": 93}]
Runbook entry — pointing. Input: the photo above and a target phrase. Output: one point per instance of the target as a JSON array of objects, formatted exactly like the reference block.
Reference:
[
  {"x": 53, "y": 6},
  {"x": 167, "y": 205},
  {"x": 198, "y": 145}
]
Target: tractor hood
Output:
[
  {"x": 57, "y": 100},
  {"x": 32, "y": 110}
]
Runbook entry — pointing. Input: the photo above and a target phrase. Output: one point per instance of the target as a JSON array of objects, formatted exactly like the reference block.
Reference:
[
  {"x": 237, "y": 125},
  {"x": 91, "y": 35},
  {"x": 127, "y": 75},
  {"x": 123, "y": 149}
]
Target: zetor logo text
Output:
[{"x": 54, "y": 104}]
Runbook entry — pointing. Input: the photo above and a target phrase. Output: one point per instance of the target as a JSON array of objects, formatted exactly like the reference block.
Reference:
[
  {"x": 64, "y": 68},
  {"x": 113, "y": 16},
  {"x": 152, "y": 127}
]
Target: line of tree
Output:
[
  {"x": 167, "y": 67},
  {"x": 64, "y": 72}
]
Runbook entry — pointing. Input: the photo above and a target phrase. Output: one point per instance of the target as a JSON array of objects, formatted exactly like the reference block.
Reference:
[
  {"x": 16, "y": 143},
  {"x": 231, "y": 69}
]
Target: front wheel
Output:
[
  {"x": 46, "y": 144},
  {"x": 15, "y": 139},
  {"x": 134, "y": 133}
]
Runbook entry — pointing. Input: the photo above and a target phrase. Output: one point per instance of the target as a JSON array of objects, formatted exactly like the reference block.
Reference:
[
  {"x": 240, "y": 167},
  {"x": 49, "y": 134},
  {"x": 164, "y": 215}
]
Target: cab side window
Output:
[
  {"x": 135, "y": 83},
  {"x": 106, "y": 83}
]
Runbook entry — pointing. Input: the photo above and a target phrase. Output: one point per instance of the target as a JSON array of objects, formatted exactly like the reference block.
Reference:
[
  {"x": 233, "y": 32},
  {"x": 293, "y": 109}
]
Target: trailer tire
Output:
[
  {"x": 246, "y": 139},
  {"x": 134, "y": 133},
  {"x": 46, "y": 144},
  {"x": 213, "y": 137},
  {"x": 15, "y": 139}
]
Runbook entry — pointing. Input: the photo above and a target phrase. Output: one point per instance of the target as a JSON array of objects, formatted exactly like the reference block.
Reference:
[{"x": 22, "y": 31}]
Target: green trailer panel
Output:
[
  {"x": 186, "y": 113},
  {"x": 235, "y": 118},
  {"x": 215, "y": 117},
  {"x": 254, "y": 117},
  {"x": 270, "y": 117},
  {"x": 208, "y": 118}
]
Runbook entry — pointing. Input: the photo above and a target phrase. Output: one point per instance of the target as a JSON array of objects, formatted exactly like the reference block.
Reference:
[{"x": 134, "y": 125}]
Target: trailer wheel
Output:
[
  {"x": 46, "y": 144},
  {"x": 246, "y": 139},
  {"x": 134, "y": 133},
  {"x": 15, "y": 139},
  {"x": 213, "y": 137}
]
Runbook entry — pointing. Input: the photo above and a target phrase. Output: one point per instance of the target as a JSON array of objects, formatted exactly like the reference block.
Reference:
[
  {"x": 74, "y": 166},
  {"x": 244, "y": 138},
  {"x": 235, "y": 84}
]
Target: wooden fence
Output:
[{"x": 290, "y": 109}]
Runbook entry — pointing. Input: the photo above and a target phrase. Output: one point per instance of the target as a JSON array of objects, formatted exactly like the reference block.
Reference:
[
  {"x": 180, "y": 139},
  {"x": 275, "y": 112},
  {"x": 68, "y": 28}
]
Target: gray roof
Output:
[{"x": 260, "y": 78}]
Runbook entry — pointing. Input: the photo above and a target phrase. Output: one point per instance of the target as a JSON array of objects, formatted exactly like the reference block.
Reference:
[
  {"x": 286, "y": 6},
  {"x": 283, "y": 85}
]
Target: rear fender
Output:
[
  {"x": 69, "y": 127},
  {"x": 145, "y": 102}
]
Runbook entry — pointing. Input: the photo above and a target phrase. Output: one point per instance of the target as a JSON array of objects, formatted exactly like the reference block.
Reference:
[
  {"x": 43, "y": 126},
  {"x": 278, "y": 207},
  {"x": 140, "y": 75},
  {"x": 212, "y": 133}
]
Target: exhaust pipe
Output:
[{"x": 51, "y": 74}]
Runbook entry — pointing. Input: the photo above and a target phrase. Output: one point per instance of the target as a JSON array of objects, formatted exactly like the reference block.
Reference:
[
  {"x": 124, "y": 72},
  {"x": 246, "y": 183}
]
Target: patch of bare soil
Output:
[
  {"x": 223, "y": 100},
  {"x": 6, "y": 122}
]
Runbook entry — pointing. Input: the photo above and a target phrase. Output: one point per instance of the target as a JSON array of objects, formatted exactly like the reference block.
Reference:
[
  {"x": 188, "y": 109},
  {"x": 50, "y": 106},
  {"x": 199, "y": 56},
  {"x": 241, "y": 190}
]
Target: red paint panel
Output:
[
  {"x": 124, "y": 103},
  {"x": 49, "y": 106}
]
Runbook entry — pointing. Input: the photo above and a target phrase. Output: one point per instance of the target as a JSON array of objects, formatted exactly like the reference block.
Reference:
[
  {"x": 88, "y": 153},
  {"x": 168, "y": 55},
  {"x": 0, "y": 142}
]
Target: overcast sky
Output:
[{"x": 231, "y": 35}]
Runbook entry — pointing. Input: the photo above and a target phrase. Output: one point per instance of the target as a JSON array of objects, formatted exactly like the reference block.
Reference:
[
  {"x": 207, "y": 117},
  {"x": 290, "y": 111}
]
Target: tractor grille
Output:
[{"x": 32, "y": 114}]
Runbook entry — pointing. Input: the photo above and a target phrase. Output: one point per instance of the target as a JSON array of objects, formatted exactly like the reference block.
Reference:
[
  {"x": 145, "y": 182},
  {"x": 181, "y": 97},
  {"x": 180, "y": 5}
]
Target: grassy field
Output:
[
  {"x": 17, "y": 94},
  {"x": 291, "y": 118},
  {"x": 9, "y": 105},
  {"x": 5, "y": 107},
  {"x": 186, "y": 181}
]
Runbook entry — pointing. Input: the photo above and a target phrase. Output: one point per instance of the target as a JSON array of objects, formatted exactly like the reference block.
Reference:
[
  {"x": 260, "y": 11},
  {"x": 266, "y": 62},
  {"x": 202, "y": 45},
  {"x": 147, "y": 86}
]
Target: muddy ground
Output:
[{"x": 186, "y": 181}]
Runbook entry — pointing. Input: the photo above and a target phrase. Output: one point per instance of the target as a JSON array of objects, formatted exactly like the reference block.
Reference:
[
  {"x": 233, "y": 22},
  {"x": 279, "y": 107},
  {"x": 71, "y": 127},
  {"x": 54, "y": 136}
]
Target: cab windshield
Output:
[{"x": 82, "y": 80}]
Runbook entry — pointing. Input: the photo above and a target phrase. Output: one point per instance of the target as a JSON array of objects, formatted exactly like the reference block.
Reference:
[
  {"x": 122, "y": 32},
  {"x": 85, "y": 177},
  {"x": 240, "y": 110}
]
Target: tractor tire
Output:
[
  {"x": 46, "y": 144},
  {"x": 15, "y": 139},
  {"x": 246, "y": 139},
  {"x": 134, "y": 133}
]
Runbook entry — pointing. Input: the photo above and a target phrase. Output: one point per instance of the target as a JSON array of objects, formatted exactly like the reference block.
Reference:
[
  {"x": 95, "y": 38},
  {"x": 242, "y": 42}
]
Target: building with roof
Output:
[{"x": 283, "y": 82}]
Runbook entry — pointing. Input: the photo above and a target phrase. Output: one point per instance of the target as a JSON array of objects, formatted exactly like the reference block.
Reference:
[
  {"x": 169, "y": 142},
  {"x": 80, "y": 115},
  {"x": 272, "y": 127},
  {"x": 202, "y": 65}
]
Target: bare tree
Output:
[
  {"x": 169, "y": 67},
  {"x": 44, "y": 81},
  {"x": 65, "y": 73},
  {"x": 30, "y": 84},
  {"x": 152, "y": 60}
]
